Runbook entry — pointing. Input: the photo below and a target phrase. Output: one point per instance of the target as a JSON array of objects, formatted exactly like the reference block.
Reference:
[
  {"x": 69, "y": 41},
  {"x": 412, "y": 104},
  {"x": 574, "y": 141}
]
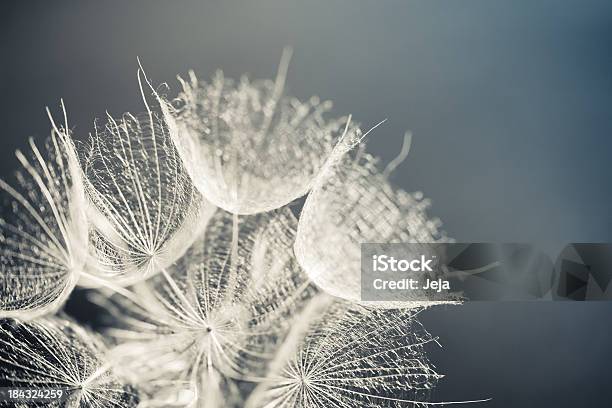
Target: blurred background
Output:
[{"x": 510, "y": 104}]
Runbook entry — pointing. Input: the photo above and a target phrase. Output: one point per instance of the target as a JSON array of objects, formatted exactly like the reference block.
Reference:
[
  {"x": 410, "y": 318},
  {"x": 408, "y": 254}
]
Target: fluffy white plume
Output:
[
  {"x": 146, "y": 210},
  {"x": 55, "y": 353},
  {"x": 354, "y": 203},
  {"x": 43, "y": 231},
  {"x": 248, "y": 147},
  {"x": 340, "y": 355},
  {"x": 213, "y": 317}
]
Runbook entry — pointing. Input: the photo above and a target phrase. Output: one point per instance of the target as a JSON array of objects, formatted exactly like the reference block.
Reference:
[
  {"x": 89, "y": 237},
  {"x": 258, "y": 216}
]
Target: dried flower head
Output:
[
  {"x": 248, "y": 147},
  {"x": 211, "y": 303}
]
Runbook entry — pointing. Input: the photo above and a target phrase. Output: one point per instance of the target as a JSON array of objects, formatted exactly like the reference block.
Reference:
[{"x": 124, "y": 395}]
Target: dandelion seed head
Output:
[{"x": 207, "y": 301}]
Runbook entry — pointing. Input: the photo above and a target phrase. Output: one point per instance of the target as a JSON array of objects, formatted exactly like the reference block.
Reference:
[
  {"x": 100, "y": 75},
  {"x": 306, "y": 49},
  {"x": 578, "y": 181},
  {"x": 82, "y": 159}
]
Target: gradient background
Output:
[{"x": 509, "y": 103}]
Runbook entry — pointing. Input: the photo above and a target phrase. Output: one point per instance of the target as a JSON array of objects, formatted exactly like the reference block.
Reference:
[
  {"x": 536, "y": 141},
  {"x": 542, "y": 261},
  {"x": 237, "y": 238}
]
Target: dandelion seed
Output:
[
  {"x": 146, "y": 210},
  {"x": 352, "y": 203},
  {"x": 212, "y": 318},
  {"x": 343, "y": 355},
  {"x": 57, "y": 353},
  {"x": 43, "y": 230},
  {"x": 248, "y": 147}
]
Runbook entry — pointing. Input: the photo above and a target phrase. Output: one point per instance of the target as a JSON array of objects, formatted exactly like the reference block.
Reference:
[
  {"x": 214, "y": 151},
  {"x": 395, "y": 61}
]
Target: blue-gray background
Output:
[{"x": 510, "y": 104}]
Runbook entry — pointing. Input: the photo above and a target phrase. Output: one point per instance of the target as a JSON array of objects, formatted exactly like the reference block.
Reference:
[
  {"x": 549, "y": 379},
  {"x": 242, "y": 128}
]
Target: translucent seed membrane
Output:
[
  {"x": 249, "y": 147},
  {"x": 146, "y": 211},
  {"x": 353, "y": 203},
  {"x": 54, "y": 353},
  {"x": 215, "y": 316},
  {"x": 343, "y": 355},
  {"x": 43, "y": 230}
]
